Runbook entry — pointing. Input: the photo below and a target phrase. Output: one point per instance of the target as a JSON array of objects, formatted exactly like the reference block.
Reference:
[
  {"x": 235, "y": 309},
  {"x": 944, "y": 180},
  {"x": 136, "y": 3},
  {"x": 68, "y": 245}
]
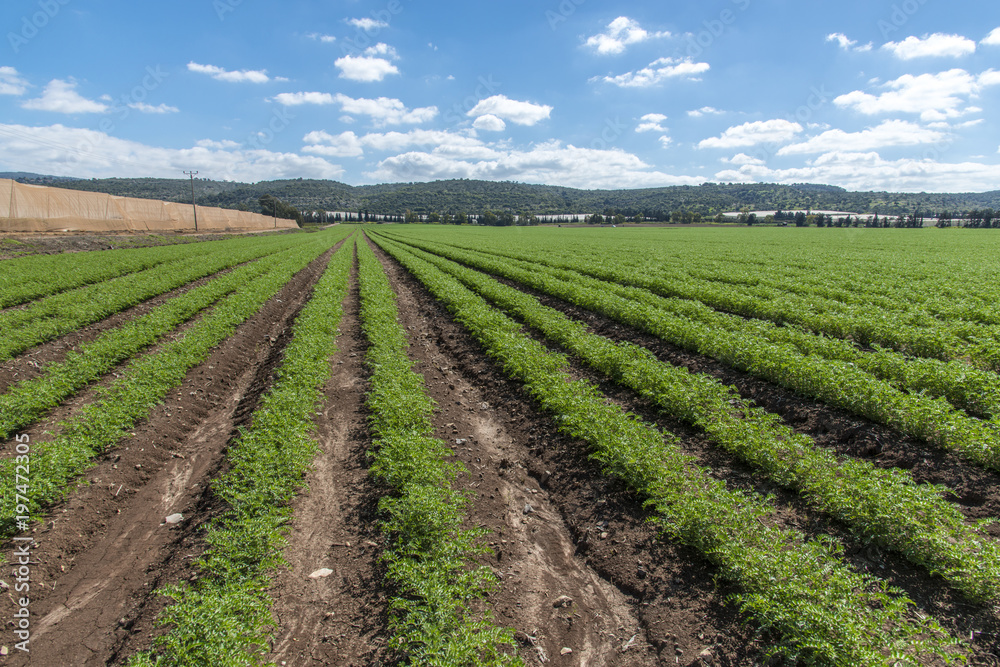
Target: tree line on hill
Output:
[{"x": 510, "y": 201}]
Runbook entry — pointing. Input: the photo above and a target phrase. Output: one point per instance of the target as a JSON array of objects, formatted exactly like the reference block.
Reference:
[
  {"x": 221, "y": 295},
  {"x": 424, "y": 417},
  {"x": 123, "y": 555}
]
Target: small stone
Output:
[
  {"x": 4, "y": 650},
  {"x": 706, "y": 657},
  {"x": 3, "y": 586},
  {"x": 484, "y": 406},
  {"x": 565, "y": 651},
  {"x": 461, "y": 441},
  {"x": 138, "y": 466},
  {"x": 174, "y": 519},
  {"x": 321, "y": 573},
  {"x": 528, "y": 509},
  {"x": 604, "y": 536},
  {"x": 562, "y": 601}
]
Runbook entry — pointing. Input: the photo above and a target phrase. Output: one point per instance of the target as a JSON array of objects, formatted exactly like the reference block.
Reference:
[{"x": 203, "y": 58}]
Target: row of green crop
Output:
[
  {"x": 30, "y": 278},
  {"x": 971, "y": 389},
  {"x": 826, "y": 613},
  {"x": 832, "y": 381},
  {"x": 24, "y": 328},
  {"x": 918, "y": 335},
  {"x": 224, "y": 619},
  {"x": 429, "y": 556},
  {"x": 140, "y": 388},
  {"x": 27, "y": 401},
  {"x": 882, "y": 505}
]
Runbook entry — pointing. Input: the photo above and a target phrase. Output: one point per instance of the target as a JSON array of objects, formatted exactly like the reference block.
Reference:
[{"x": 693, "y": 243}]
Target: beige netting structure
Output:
[{"x": 36, "y": 208}]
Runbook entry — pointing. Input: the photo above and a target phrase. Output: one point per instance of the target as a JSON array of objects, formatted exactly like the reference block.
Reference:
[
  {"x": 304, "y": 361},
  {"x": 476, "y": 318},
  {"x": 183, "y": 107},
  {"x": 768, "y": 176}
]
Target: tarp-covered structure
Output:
[{"x": 35, "y": 208}]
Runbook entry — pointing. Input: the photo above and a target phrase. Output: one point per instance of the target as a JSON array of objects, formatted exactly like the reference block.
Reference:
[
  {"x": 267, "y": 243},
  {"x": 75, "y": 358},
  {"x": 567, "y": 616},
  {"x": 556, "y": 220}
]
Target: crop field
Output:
[{"x": 462, "y": 446}]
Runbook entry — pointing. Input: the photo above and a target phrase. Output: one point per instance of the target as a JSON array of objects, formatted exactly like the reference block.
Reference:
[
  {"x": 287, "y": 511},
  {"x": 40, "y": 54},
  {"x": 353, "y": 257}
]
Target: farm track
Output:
[
  {"x": 100, "y": 554},
  {"x": 30, "y": 364},
  {"x": 670, "y": 600},
  {"x": 340, "y": 619}
]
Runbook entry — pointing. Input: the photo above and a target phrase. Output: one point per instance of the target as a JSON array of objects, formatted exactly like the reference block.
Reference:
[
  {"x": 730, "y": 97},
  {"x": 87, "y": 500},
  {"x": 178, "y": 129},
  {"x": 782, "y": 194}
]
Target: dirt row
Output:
[
  {"x": 977, "y": 490},
  {"x": 585, "y": 579},
  {"x": 101, "y": 554}
]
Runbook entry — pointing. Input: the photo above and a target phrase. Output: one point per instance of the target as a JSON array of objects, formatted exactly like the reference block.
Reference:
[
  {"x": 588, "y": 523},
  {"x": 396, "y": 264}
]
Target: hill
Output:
[{"x": 470, "y": 196}]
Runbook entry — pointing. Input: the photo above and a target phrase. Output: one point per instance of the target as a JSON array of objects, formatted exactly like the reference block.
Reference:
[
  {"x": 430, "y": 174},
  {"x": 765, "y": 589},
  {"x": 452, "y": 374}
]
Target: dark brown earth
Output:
[
  {"x": 102, "y": 553},
  {"x": 634, "y": 598},
  {"x": 977, "y": 490},
  {"x": 669, "y": 590},
  {"x": 20, "y": 245}
]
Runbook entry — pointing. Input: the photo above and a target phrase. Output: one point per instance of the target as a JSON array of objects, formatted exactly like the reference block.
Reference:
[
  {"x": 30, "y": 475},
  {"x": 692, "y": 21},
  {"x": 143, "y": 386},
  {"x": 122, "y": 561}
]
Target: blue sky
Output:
[{"x": 868, "y": 95}]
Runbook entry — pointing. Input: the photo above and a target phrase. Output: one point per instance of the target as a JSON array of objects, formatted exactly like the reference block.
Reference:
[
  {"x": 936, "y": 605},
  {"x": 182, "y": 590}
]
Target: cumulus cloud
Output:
[
  {"x": 755, "y": 133},
  {"x": 665, "y": 141},
  {"x": 520, "y": 113},
  {"x": 367, "y": 24},
  {"x": 240, "y": 76},
  {"x": 11, "y": 82},
  {"x": 348, "y": 144},
  {"x": 937, "y": 45},
  {"x": 142, "y": 107},
  {"x": 619, "y": 34},
  {"x": 374, "y": 65},
  {"x": 659, "y": 71},
  {"x": 935, "y": 97},
  {"x": 705, "y": 111},
  {"x": 651, "y": 122},
  {"x": 847, "y": 44},
  {"x": 490, "y": 123},
  {"x": 992, "y": 39},
  {"x": 383, "y": 110},
  {"x": 61, "y": 97},
  {"x": 741, "y": 159},
  {"x": 889, "y": 133},
  {"x": 550, "y": 163},
  {"x": 869, "y": 171},
  {"x": 67, "y": 151}
]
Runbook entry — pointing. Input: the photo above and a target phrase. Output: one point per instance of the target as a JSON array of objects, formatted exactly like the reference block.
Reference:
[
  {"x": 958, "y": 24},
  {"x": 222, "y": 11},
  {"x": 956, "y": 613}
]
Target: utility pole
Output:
[{"x": 194, "y": 205}]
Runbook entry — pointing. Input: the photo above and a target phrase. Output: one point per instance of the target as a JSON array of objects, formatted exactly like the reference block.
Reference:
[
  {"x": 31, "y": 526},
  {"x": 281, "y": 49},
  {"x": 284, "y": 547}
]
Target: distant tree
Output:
[
  {"x": 619, "y": 219},
  {"x": 434, "y": 218},
  {"x": 488, "y": 218},
  {"x": 272, "y": 206},
  {"x": 505, "y": 219},
  {"x": 461, "y": 219},
  {"x": 446, "y": 218},
  {"x": 943, "y": 219},
  {"x": 595, "y": 219},
  {"x": 800, "y": 219},
  {"x": 410, "y": 217}
]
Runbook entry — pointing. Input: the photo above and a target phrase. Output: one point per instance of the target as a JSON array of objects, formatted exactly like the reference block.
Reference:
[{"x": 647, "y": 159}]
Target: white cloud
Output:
[
  {"x": 61, "y": 97},
  {"x": 751, "y": 134},
  {"x": 936, "y": 45},
  {"x": 651, "y": 122},
  {"x": 383, "y": 110},
  {"x": 225, "y": 144},
  {"x": 296, "y": 99},
  {"x": 934, "y": 96},
  {"x": 665, "y": 141},
  {"x": 620, "y": 33},
  {"x": 889, "y": 133},
  {"x": 550, "y": 163},
  {"x": 142, "y": 107},
  {"x": 847, "y": 44},
  {"x": 705, "y": 111},
  {"x": 345, "y": 144},
  {"x": 659, "y": 71},
  {"x": 992, "y": 39},
  {"x": 369, "y": 67},
  {"x": 348, "y": 144},
  {"x": 219, "y": 74},
  {"x": 326, "y": 39},
  {"x": 11, "y": 82},
  {"x": 741, "y": 159},
  {"x": 868, "y": 171},
  {"x": 66, "y": 151},
  {"x": 490, "y": 123},
  {"x": 367, "y": 24},
  {"x": 521, "y": 113}
]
